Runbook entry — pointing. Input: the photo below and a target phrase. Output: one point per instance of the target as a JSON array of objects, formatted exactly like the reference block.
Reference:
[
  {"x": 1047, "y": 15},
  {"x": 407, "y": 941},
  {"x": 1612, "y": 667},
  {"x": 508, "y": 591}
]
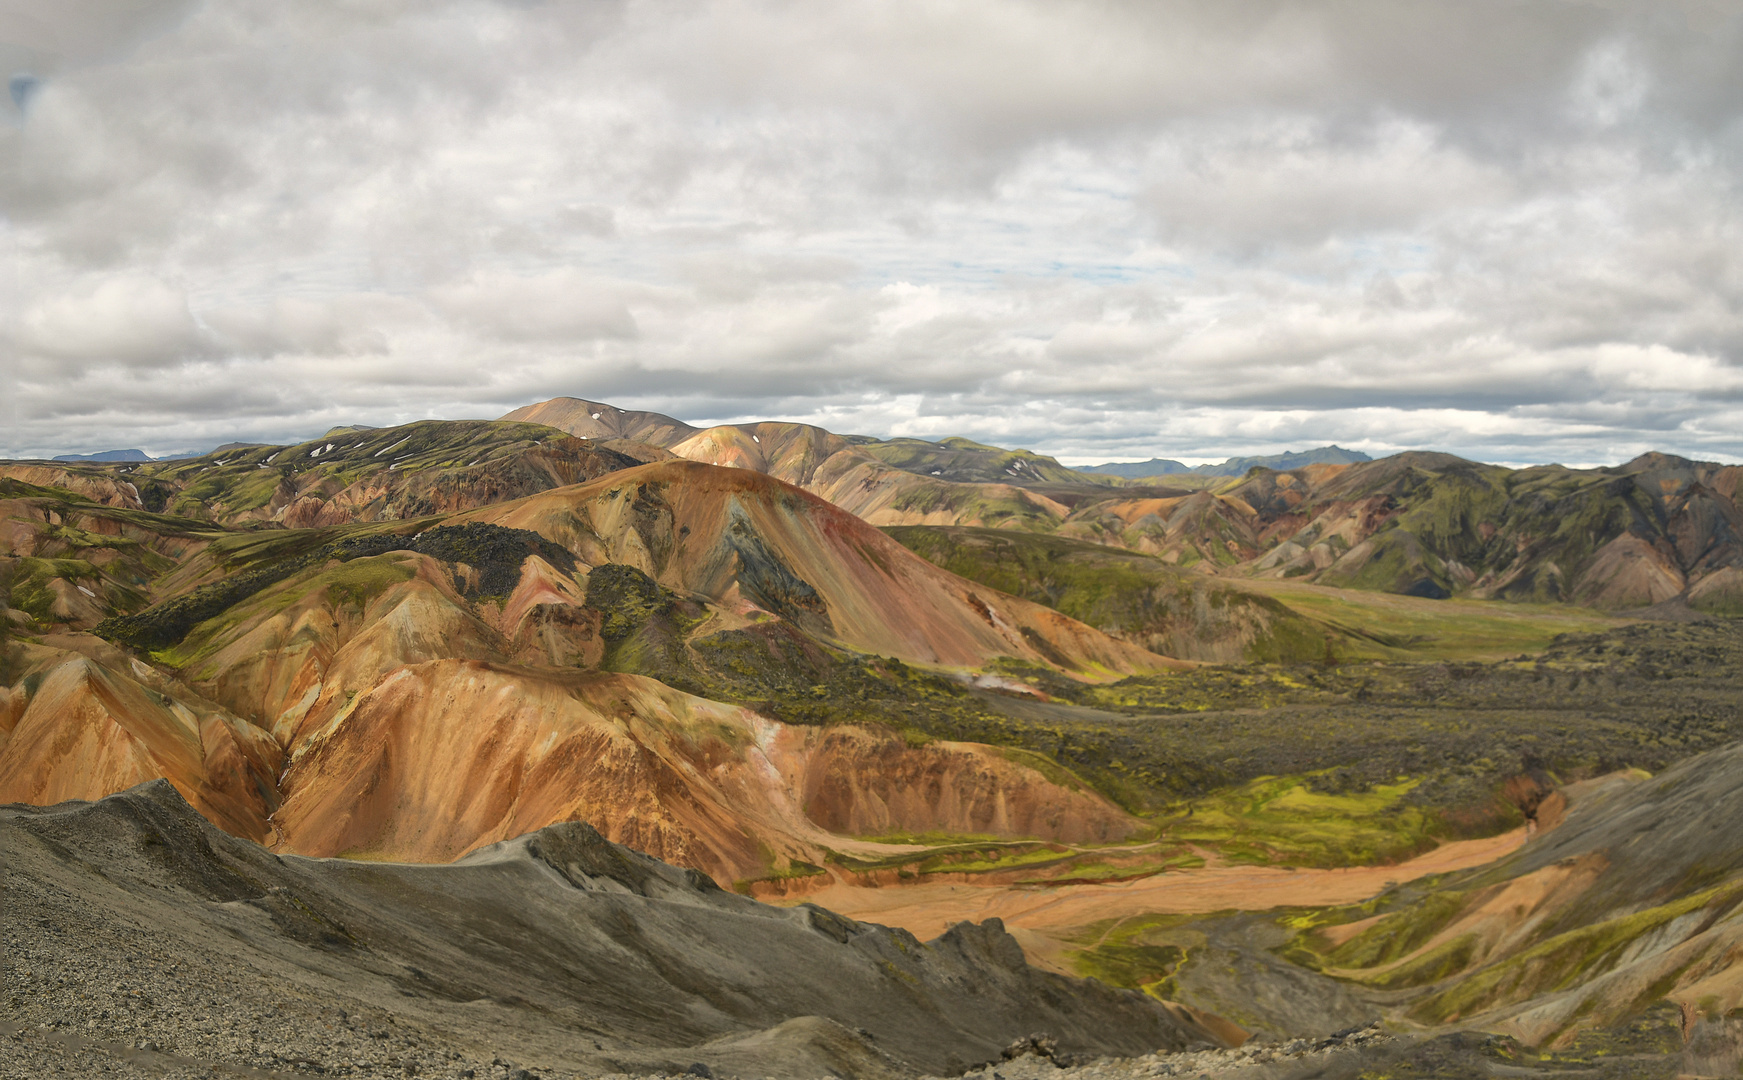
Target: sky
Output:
[{"x": 1105, "y": 231}]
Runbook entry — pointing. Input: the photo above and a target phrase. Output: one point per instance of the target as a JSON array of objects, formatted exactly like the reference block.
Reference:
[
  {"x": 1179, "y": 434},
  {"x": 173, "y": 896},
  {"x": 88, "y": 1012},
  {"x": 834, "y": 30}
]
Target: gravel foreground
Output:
[
  {"x": 140, "y": 940},
  {"x": 93, "y": 998},
  {"x": 187, "y": 1045},
  {"x": 140, "y": 971}
]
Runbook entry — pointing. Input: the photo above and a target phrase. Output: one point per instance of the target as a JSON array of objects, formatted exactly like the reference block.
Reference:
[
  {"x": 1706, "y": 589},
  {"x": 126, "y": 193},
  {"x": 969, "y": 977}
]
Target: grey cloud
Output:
[
  {"x": 1110, "y": 228},
  {"x": 562, "y": 306},
  {"x": 119, "y": 320},
  {"x": 1287, "y": 184},
  {"x": 734, "y": 276}
]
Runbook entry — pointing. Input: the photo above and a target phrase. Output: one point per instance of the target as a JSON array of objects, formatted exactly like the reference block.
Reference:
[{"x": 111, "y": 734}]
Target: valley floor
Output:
[{"x": 1040, "y": 915}]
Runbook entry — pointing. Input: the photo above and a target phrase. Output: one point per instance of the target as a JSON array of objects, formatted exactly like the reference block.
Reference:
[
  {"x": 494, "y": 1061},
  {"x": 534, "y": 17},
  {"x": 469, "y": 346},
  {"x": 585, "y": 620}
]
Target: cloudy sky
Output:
[{"x": 1106, "y": 231}]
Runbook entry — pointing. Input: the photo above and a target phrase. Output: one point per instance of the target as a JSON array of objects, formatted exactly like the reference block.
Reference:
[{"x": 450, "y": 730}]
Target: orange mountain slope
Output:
[
  {"x": 750, "y": 543},
  {"x": 350, "y": 689},
  {"x": 383, "y": 709},
  {"x": 691, "y": 781},
  {"x": 81, "y": 727}
]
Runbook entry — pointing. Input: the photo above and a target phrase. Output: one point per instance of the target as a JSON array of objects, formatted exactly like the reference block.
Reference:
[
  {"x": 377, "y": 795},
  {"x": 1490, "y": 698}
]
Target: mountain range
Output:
[
  {"x": 1657, "y": 529},
  {"x": 797, "y": 663},
  {"x": 1235, "y": 466},
  {"x": 108, "y": 455}
]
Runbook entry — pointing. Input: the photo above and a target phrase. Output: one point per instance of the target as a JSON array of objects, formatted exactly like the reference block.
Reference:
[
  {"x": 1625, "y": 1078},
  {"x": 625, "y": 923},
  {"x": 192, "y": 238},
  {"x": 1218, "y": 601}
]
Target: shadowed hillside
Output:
[
  {"x": 1132, "y": 596},
  {"x": 316, "y": 958}
]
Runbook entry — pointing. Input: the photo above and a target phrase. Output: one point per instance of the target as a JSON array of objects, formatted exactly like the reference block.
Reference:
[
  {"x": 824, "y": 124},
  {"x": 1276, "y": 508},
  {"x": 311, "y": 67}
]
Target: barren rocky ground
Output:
[{"x": 141, "y": 940}]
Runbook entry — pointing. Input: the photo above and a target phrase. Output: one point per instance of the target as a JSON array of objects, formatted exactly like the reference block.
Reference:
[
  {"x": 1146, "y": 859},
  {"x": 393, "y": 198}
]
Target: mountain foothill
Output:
[{"x": 766, "y": 663}]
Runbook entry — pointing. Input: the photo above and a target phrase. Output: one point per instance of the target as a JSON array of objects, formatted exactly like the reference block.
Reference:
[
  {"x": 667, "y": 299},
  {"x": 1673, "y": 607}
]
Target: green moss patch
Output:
[
  {"x": 1140, "y": 952},
  {"x": 1284, "y": 821}
]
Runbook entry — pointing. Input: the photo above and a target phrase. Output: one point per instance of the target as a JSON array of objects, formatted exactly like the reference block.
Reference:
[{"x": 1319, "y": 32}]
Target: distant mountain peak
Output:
[
  {"x": 107, "y": 455},
  {"x": 1235, "y": 466}
]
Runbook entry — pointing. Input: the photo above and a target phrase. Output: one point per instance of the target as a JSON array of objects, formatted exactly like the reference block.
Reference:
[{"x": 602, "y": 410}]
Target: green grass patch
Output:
[
  {"x": 1384, "y": 626},
  {"x": 1090, "y": 870},
  {"x": 1399, "y": 934},
  {"x": 967, "y": 858},
  {"x": 30, "y": 592},
  {"x": 1140, "y": 952},
  {"x": 1126, "y": 594},
  {"x": 1281, "y": 820},
  {"x": 1047, "y": 767},
  {"x": 788, "y": 870}
]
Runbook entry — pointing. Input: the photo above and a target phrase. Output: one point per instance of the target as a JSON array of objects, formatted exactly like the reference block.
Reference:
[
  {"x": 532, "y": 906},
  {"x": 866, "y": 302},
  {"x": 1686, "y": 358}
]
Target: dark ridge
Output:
[
  {"x": 496, "y": 552},
  {"x": 664, "y": 968}
]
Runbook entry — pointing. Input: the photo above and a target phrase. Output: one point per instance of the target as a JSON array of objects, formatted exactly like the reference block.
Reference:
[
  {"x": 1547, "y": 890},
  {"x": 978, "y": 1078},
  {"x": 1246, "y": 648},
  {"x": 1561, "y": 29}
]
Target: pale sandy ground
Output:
[{"x": 1038, "y": 915}]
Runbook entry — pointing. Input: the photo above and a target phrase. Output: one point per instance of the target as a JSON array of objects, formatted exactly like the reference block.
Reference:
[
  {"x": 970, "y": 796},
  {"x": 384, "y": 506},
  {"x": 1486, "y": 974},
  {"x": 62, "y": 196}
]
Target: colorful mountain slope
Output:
[
  {"x": 1622, "y": 537},
  {"x": 1637, "y": 897},
  {"x": 376, "y": 474},
  {"x": 755, "y": 546},
  {"x": 353, "y": 689},
  {"x": 1656, "y": 529},
  {"x": 77, "y": 726},
  {"x": 597, "y": 420},
  {"x": 767, "y": 447},
  {"x": 67, "y": 562},
  {"x": 685, "y": 779},
  {"x": 894, "y": 482},
  {"x": 358, "y": 663}
]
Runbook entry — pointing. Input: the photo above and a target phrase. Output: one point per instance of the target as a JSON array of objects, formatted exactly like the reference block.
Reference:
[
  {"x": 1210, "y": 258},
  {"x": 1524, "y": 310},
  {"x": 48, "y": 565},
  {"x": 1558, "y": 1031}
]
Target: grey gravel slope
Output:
[{"x": 131, "y": 923}]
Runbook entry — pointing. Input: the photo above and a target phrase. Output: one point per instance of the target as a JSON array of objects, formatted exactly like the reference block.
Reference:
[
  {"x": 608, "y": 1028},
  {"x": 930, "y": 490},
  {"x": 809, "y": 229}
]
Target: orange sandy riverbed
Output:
[{"x": 1032, "y": 911}]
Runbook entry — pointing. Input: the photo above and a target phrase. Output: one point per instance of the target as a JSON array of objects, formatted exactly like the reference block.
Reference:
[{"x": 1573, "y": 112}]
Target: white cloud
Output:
[
  {"x": 1101, "y": 229},
  {"x": 557, "y": 307},
  {"x": 122, "y": 320}
]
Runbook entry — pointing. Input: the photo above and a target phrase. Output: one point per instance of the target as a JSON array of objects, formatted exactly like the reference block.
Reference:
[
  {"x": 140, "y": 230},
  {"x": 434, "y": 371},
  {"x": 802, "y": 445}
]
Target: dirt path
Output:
[{"x": 1031, "y": 911}]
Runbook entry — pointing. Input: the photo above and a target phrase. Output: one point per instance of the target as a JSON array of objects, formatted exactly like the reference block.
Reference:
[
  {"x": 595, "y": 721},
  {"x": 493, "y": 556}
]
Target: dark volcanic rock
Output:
[{"x": 132, "y": 924}]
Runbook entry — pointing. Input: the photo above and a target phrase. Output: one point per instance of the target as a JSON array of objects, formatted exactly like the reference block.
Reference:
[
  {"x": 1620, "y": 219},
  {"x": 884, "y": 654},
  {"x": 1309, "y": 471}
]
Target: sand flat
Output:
[{"x": 929, "y": 910}]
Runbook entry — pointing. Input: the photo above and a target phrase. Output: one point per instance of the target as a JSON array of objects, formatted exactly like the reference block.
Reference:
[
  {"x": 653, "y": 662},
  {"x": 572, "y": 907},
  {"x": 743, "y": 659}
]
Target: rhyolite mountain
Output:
[
  {"x": 1655, "y": 529},
  {"x": 314, "y": 688}
]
